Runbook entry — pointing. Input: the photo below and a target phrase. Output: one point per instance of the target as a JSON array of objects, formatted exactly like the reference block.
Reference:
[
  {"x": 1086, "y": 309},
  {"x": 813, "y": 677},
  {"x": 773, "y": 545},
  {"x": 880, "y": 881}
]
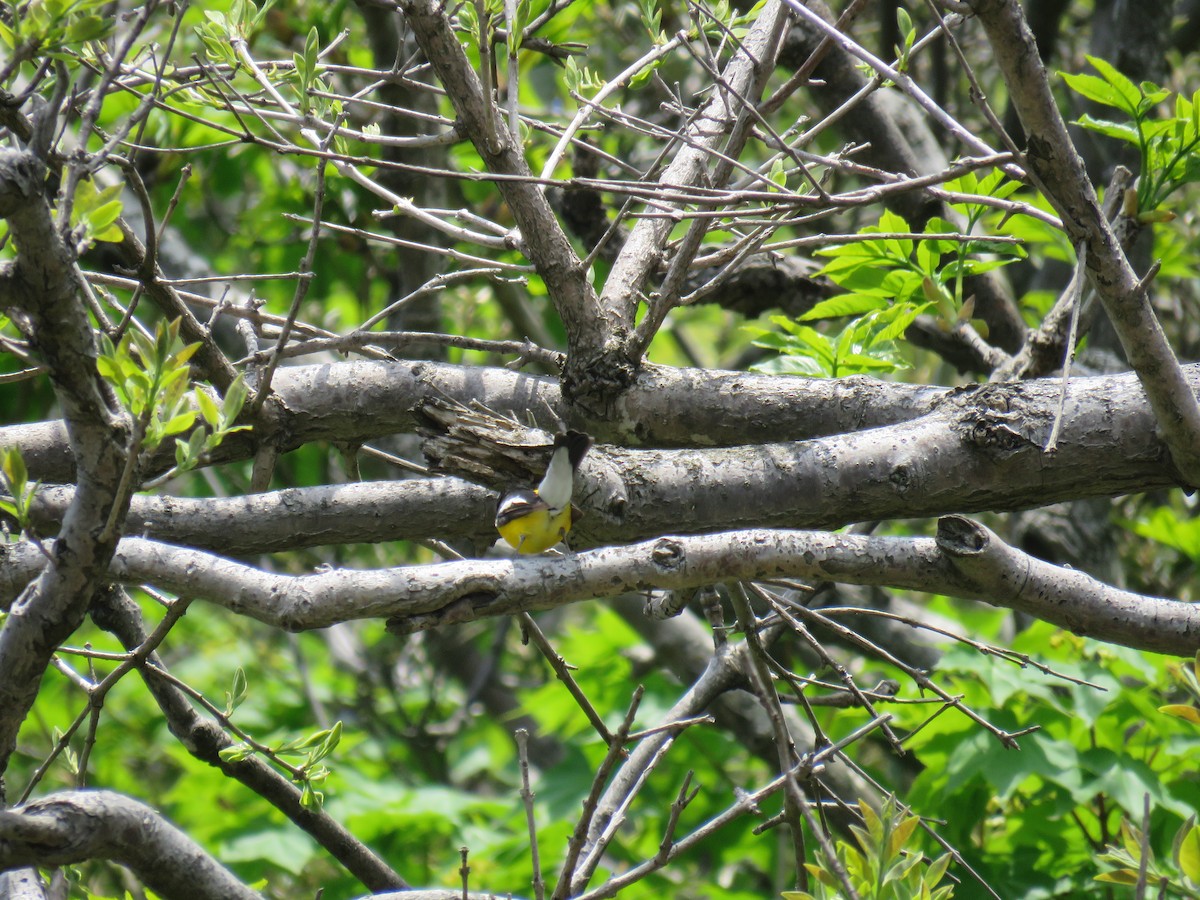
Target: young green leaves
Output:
[
  {"x": 95, "y": 212},
  {"x": 151, "y": 377},
  {"x": 16, "y": 482},
  {"x": 1169, "y": 146},
  {"x": 892, "y": 275},
  {"x": 887, "y": 864}
]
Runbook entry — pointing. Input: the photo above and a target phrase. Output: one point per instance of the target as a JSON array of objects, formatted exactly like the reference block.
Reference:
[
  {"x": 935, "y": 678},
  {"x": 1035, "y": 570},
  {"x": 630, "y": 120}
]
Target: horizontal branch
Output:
[
  {"x": 966, "y": 560},
  {"x": 980, "y": 449},
  {"x": 76, "y": 826},
  {"x": 273, "y": 521},
  {"x": 353, "y": 402}
]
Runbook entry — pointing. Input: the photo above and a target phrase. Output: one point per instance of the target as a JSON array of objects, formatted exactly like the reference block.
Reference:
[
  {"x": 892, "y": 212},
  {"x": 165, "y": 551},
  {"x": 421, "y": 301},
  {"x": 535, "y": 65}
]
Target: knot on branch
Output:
[
  {"x": 995, "y": 418},
  {"x": 594, "y": 382},
  {"x": 959, "y": 536},
  {"x": 21, "y": 177},
  {"x": 667, "y": 554}
]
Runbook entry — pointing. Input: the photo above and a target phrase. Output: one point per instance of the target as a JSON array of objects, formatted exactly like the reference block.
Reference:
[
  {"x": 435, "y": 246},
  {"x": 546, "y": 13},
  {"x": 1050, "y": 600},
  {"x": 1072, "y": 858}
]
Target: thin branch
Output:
[
  {"x": 527, "y": 795},
  {"x": 566, "y": 875},
  {"x": 544, "y": 241},
  {"x": 562, "y": 671}
]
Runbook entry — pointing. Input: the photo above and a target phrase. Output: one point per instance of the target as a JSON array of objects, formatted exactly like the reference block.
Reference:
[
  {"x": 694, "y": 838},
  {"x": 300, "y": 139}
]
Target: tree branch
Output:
[
  {"x": 1059, "y": 173},
  {"x": 41, "y": 284},
  {"x": 415, "y": 598},
  {"x": 722, "y": 125},
  {"x": 205, "y": 739},
  {"x": 356, "y": 401},
  {"x": 587, "y": 324},
  {"x": 75, "y": 826},
  {"x": 979, "y": 449}
]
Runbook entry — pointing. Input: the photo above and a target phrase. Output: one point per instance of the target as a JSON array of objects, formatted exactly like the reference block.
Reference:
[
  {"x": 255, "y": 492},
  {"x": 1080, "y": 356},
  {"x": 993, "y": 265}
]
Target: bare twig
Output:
[{"x": 539, "y": 887}]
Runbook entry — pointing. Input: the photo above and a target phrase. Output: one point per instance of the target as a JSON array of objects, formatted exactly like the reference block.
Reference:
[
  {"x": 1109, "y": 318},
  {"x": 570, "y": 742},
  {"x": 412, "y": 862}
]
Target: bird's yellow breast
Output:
[{"x": 539, "y": 530}]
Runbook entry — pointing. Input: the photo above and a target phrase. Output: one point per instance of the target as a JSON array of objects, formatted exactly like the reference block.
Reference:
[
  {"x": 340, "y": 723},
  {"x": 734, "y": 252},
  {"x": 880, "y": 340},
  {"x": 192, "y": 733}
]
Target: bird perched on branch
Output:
[{"x": 533, "y": 521}]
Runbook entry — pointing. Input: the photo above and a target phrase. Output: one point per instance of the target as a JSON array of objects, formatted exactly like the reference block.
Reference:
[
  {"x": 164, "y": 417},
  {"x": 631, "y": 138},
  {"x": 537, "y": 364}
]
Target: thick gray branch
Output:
[
  {"x": 979, "y": 449},
  {"x": 75, "y": 826},
  {"x": 420, "y": 597},
  {"x": 42, "y": 288},
  {"x": 1059, "y": 172},
  {"x": 357, "y": 401}
]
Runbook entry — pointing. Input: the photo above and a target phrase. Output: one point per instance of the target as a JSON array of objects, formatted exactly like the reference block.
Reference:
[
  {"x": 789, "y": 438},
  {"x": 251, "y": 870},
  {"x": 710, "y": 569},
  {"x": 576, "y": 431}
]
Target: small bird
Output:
[{"x": 533, "y": 521}]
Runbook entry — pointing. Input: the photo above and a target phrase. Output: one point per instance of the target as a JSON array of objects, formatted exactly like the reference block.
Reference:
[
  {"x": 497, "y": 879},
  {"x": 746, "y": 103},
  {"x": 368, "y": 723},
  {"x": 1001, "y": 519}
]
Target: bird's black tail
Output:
[{"x": 577, "y": 444}]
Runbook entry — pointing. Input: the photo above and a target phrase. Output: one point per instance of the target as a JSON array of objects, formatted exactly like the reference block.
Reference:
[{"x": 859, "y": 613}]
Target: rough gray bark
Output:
[
  {"x": 966, "y": 561},
  {"x": 41, "y": 296},
  {"x": 76, "y": 826}
]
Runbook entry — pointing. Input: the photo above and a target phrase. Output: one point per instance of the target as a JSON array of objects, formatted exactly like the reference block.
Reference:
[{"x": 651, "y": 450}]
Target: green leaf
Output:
[
  {"x": 844, "y": 305},
  {"x": 208, "y": 407},
  {"x": 15, "y": 473},
  {"x": 1119, "y": 876},
  {"x": 1188, "y": 855},
  {"x": 778, "y": 173},
  {"x": 178, "y": 424},
  {"x": 1182, "y": 711},
  {"x": 87, "y": 28},
  {"x": 900, "y": 835},
  {"x": 236, "y": 753},
  {"x": 186, "y": 353},
  {"x": 1118, "y": 130},
  {"x": 103, "y": 216},
  {"x": 312, "y": 49},
  {"x": 1095, "y": 89},
  {"x": 1125, "y": 88},
  {"x": 237, "y": 692},
  {"x": 310, "y": 798}
]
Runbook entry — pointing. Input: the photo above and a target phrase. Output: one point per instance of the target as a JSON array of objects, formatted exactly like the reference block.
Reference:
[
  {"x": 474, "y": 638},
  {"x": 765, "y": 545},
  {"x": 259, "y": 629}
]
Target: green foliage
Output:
[
  {"x": 652, "y": 20},
  {"x": 867, "y": 344},
  {"x": 1180, "y": 875},
  {"x": 220, "y": 419},
  {"x": 1035, "y": 820},
  {"x": 1189, "y": 679},
  {"x": 890, "y": 280},
  {"x": 580, "y": 79},
  {"x": 95, "y": 212},
  {"x": 306, "y": 70},
  {"x": 887, "y": 864},
  {"x": 1164, "y": 525},
  {"x": 16, "y": 482},
  {"x": 908, "y": 34},
  {"x": 150, "y": 378},
  {"x": 311, "y": 749},
  {"x": 221, "y": 28},
  {"x": 417, "y": 773},
  {"x": 50, "y": 27},
  {"x": 1134, "y": 858},
  {"x": 1167, "y": 145}
]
